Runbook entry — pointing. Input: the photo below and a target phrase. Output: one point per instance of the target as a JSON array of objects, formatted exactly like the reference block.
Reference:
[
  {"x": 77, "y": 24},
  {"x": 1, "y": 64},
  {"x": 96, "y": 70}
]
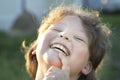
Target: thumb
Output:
[{"x": 65, "y": 63}]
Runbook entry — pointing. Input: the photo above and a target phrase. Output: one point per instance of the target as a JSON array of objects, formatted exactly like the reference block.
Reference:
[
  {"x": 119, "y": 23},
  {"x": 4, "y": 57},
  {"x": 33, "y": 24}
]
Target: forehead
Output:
[{"x": 71, "y": 21}]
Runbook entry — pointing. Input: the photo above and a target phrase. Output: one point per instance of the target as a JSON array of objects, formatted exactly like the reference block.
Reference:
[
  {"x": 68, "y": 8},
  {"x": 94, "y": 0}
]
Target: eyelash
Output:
[
  {"x": 56, "y": 30},
  {"x": 78, "y": 38}
]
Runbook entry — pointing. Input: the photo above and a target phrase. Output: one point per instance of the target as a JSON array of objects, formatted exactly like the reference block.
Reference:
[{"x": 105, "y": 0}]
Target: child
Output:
[{"x": 71, "y": 44}]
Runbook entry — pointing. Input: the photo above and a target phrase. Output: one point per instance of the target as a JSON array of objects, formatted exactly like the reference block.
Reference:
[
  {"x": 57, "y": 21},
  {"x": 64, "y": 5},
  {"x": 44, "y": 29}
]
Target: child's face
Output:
[{"x": 66, "y": 37}]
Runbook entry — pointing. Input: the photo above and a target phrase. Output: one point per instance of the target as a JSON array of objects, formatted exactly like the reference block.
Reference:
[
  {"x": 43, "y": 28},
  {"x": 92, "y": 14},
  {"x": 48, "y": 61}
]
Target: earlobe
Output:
[
  {"x": 87, "y": 69},
  {"x": 34, "y": 52}
]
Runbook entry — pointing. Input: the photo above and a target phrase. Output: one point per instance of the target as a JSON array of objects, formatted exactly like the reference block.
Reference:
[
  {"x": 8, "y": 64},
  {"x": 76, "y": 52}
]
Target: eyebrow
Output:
[{"x": 60, "y": 23}]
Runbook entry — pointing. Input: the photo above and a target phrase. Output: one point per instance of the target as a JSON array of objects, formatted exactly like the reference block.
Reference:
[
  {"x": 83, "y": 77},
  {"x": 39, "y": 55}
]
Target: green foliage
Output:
[
  {"x": 111, "y": 67},
  {"x": 112, "y": 19},
  {"x": 12, "y": 62}
]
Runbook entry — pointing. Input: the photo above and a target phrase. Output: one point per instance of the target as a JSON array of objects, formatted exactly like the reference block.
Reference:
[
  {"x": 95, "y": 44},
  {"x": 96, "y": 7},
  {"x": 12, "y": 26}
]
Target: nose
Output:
[{"x": 65, "y": 36}]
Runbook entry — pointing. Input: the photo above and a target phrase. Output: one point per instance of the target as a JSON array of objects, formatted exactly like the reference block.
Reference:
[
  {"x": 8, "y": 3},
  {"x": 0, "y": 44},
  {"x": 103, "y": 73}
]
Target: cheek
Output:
[
  {"x": 78, "y": 59},
  {"x": 77, "y": 64},
  {"x": 44, "y": 41}
]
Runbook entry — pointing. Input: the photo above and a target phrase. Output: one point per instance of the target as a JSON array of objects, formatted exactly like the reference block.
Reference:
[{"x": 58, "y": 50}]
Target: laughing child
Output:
[{"x": 70, "y": 45}]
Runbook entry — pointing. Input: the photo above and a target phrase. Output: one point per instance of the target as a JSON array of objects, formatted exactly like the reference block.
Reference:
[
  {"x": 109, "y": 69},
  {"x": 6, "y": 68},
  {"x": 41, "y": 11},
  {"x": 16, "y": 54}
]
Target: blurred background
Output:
[{"x": 19, "y": 20}]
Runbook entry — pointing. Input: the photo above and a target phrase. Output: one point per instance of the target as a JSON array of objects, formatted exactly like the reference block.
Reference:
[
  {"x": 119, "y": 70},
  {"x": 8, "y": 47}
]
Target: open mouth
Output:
[{"x": 61, "y": 48}]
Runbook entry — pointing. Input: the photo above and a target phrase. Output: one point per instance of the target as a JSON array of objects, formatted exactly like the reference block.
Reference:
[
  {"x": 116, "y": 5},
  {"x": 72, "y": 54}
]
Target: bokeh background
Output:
[{"x": 19, "y": 20}]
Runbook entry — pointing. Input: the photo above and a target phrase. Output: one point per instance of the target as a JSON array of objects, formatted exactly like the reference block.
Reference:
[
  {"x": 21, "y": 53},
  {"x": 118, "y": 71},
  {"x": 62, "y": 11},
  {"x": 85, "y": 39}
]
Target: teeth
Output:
[{"x": 60, "y": 47}]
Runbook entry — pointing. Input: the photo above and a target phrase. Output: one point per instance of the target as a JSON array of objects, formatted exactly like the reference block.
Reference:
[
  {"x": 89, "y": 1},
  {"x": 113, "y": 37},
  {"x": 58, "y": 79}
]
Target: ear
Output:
[
  {"x": 34, "y": 52},
  {"x": 87, "y": 68}
]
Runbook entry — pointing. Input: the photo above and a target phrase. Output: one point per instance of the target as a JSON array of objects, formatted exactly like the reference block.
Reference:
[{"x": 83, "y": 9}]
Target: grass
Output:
[{"x": 12, "y": 63}]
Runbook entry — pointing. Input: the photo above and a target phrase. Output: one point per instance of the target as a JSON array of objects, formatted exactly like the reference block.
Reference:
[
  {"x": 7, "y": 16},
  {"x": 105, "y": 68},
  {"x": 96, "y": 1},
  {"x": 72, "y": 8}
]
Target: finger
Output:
[
  {"x": 65, "y": 63},
  {"x": 52, "y": 69},
  {"x": 52, "y": 72},
  {"x": 49, "y": 71},
  {"x": 49, "y": 78}
]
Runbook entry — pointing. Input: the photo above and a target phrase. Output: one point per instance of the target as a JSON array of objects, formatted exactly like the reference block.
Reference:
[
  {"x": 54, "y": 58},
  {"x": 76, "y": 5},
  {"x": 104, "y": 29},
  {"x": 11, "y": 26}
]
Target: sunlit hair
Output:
[{"x": 96, "y": 31}]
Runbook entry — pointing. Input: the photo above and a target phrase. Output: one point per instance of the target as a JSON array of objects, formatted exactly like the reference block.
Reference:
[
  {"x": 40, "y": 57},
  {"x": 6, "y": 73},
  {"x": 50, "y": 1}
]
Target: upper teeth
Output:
[{"x": 60, "y": 47}]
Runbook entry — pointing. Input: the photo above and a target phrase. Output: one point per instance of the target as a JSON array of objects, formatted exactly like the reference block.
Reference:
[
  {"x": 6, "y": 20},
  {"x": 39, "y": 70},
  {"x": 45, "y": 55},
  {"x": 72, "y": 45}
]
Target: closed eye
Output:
[
  {"x": 77, "y": 38},
  {"x": 56, "y": 30}
]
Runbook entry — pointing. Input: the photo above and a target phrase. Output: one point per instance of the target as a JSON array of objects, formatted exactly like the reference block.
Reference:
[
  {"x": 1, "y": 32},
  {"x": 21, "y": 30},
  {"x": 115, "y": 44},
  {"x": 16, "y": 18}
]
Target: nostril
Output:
[
  {"x": 61, "y": 36},
  {"x": 66, "y": 38}
]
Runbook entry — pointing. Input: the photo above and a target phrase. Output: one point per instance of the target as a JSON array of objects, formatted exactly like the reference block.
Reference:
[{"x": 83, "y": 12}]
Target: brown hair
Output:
[{"x": 97, "y": 33}]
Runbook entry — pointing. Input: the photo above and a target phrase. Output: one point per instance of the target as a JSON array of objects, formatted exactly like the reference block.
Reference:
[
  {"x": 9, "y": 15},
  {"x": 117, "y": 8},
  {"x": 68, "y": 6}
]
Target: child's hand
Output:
[{"x": 55, "y": 73}]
